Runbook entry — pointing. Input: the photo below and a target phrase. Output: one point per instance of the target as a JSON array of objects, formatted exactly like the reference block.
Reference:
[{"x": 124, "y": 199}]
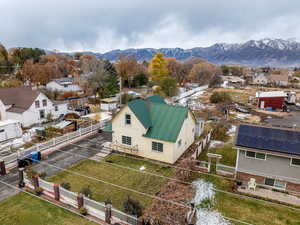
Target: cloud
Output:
[{"x": 99, "y": 25}]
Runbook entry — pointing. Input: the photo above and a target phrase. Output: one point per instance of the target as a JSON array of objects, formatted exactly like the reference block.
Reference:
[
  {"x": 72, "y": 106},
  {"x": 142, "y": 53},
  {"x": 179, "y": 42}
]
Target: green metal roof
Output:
[
  {"x": 162, "y": 121},
  {"x": 141, "y": 110},
  {"x": 156, "y": 98}
]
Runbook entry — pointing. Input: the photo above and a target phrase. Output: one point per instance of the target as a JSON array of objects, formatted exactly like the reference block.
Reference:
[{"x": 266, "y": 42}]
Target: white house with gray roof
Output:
[{"x": 29, "y": 106}]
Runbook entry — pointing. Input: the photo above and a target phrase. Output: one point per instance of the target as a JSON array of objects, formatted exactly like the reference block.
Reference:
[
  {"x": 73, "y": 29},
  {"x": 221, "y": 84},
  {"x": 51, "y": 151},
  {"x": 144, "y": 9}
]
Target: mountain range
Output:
[{"x": 264, "y": 52}]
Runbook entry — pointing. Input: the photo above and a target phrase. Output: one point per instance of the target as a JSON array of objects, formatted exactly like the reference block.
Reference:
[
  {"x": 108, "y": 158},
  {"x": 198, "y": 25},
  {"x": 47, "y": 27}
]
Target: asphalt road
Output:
[
  {"x": 60, "y": 159},
  {"x": 292, "y": 120}
]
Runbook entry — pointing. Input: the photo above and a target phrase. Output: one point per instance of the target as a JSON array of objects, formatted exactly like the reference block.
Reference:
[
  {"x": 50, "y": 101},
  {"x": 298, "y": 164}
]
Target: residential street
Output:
[{"x": 58, "y": 159}]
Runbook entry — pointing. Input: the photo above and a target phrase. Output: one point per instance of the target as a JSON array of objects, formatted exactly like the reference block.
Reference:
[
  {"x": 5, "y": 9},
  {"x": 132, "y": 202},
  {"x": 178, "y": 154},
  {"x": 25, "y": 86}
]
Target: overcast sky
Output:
[{"x": 98, "y": 25}]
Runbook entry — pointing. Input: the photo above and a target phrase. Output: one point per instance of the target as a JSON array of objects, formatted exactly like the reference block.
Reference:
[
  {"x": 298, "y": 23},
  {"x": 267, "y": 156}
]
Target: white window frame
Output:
[
  {"x": 44, "y": 101},
  {"x": 37, "y": 104},
  {"x": 130, "y": 119},
  {"x": 158, "y": 143},
  {"x": 44, "y": 114},
  {"x": 255, "y": 155},
  {"x": 126, "y": 140},
  {"x": 281, "y": 188},
  {"x": 291, "y": 164}
]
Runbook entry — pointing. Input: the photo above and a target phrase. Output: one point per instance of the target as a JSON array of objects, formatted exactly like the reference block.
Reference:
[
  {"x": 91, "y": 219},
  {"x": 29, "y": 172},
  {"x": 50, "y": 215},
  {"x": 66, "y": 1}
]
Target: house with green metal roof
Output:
[{"x": 153, "y": 129}]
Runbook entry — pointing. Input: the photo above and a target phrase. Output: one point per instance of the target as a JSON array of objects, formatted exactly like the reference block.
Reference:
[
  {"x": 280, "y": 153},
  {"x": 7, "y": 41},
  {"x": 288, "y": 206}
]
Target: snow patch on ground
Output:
[
  {"x": 232, "y": 130},
  {"x": 204, "y": 191},
  {"x": 214, "y": 143}
]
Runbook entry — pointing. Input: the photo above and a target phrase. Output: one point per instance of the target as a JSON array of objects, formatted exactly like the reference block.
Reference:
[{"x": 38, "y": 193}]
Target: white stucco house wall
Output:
[
  {"x": 152, "y": 129},
  {"x": 30, "y": 106},
  {"x": 2, "y": 111},
  {"x": 66, "y": 84},
  {"x": 10, "y": 129}
]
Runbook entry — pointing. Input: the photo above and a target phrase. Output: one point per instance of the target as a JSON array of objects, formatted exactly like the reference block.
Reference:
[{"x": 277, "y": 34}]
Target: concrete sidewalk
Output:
[{"x": 266, "y": 193}]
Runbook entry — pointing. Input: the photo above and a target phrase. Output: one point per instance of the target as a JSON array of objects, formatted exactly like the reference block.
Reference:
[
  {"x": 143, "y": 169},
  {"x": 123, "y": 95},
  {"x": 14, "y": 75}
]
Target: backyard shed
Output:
[
  {"x": 272, "y": 99},
  {"x": 109, "y": 104}
]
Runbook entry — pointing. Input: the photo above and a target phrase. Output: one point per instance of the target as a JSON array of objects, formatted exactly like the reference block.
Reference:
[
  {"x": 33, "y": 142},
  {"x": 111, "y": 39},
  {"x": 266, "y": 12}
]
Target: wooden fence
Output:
[{"x": 94, "y": 208}]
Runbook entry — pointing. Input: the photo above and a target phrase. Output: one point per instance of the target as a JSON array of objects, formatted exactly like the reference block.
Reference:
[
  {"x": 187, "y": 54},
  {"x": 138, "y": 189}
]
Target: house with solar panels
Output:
[
  {"x": 269, "y": 155},
  {"x": 153, "y": 129}
]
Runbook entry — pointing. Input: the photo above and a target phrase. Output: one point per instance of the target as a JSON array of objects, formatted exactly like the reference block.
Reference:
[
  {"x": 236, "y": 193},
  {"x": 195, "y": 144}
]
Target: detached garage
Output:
[{"x": 272, "y": 99}]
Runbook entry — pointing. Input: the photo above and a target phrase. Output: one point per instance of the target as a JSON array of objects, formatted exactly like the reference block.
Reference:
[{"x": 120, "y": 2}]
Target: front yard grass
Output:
[
  {"x": 23, "y": 209},
  {"x": 227, "y": 152},
  {"x": 120, "y": 176}
]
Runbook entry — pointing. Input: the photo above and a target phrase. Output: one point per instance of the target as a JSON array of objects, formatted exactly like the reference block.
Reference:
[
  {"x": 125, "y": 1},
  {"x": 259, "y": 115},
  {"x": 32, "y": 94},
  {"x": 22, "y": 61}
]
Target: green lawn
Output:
[
  {"x": 227, "y": 152},
  {"x": 120, "y": 176},
  {"x": 255, "y": 212},
  {"x": 23, "y": 209}
]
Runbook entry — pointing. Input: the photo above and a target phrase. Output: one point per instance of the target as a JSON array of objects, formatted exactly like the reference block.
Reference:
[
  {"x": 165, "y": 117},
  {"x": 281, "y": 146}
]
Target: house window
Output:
[
  {"x": 295, "y": 162},
  {"x": 275, "y": 183},
  {"x": 256, "y": 155},
  {"x": 179, "y": 143},
  {"x": 127, "y": 119},
  {"x": 56, "y": 108},
  {"x": 158, "y": 147},
  {"x": 44, "y": 102},
  {"x": 37, "y": 104},
  {"x": 126, "y": 140},
  {"x": 42, "y": 114}
]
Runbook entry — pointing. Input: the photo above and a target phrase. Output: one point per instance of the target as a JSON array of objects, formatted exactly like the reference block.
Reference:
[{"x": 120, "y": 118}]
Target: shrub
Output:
[
  {"x": 39, "y": 190},
  {"x": 220, "y": 133},
  {"x": 125, "y": 98},
  {"x": 220, "y": 97},
  {"x": 86, "y": 191},
  {"x": 205, "y": 204},
  {"x": 42, "y": 175},
  {"x": 132, "y": 207},
  {"x": 66, "y": 186},
  {"x": 140, "y": 80},
  {"x": 83, "y": 211}
]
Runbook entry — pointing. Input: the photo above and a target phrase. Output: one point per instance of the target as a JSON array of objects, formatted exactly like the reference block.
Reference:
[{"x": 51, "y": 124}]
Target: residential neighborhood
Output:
[{"x": 167, "y": 113}]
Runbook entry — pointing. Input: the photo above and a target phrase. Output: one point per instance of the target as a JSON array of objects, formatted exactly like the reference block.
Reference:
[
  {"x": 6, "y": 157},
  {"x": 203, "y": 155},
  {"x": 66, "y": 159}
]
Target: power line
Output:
[
  {"x": 132, "y": 190},
  {"x": 180, "y": 181},
  {"x": 65, "y": 208}
]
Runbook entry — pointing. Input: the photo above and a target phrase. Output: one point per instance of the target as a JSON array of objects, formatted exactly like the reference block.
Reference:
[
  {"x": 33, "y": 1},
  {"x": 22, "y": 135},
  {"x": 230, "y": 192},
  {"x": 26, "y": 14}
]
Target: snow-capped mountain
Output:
[{"x": 264, "y": 52}]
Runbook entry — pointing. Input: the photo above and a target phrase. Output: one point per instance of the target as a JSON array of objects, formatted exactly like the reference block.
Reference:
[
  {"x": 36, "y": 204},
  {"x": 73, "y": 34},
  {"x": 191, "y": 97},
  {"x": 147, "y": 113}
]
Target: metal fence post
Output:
[
  {"x": 35, "y": 182},
  {"x": 108, "y": 213},
  {"x": 56, "y": 192},
  {"x": 21, "y": 178},
  {"x": 80, "y": 200},
  {"x": 2, "y": 168}
]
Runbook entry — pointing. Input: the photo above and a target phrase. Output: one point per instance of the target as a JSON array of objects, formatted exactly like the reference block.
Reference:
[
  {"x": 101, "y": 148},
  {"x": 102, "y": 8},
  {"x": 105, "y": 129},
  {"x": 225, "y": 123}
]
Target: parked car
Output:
[{"x": 83, "y": 110}]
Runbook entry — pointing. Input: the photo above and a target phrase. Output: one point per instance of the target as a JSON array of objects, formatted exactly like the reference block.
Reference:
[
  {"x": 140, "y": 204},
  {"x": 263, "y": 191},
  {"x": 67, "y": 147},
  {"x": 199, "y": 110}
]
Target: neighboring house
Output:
[
  {"x": 260, "y": 79},
  {"x": 109, "y": 104},
  {"x": 270, "y": 155},
  {"x": 273, "y": 99},
  {"x": 152, "y": 129},
  {"x": 66, "y": 84},
  {"x": 30, "y": 106},
  {"x": 278, "y": 80},
  {"x": 10, "y": 129},
  {"x": 232, "y": 80}
]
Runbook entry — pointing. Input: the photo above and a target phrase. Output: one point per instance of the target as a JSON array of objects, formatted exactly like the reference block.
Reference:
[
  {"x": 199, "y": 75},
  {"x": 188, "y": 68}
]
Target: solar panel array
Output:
[{"x": 271, "y": 139}]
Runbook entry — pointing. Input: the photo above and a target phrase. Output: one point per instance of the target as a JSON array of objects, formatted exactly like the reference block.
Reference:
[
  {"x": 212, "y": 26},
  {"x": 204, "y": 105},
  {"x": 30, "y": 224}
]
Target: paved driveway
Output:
[{"x": 59, "y": 159}]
